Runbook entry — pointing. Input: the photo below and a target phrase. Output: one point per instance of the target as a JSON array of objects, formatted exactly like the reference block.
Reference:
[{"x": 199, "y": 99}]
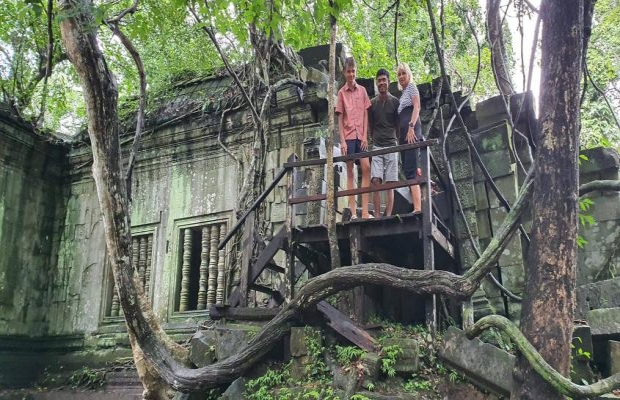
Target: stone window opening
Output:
[
  {"x": 142, "y": 262},
  {"x": 201, "y": 274}
]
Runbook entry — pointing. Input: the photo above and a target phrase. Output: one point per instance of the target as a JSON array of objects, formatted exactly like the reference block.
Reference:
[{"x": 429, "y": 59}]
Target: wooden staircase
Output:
[{"x": 305, "y": 245}]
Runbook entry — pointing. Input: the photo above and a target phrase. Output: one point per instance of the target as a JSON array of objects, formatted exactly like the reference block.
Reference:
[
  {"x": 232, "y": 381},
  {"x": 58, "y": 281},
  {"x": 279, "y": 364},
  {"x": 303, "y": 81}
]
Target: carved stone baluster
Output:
[
  {"x": 187, "y": 259},
  {"x": 221, "y": 274},
  {"x": 204, "y": 268},
  {"x": 115, "y": 302},
  {"x": 149, "y": 261},
  {"x": 142, "y": 260},
  {"x": 212, "y": 280},
  {"x": 135, "y": 252}
]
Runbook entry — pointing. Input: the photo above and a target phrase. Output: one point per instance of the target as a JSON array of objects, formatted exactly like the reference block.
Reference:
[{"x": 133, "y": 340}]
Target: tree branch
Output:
[
  {"x": 560, "y": 383},
  {"x": 231, "y": 71},
  {"x": 602, "y": 185},
  {"x": 141, "y": 100},
  {"x": 48, "y": 61}
]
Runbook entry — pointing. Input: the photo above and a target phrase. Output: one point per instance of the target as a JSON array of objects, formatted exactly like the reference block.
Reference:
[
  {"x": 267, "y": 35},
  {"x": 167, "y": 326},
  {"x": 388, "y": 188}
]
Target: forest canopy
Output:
[{"x": 174, "y": 47}]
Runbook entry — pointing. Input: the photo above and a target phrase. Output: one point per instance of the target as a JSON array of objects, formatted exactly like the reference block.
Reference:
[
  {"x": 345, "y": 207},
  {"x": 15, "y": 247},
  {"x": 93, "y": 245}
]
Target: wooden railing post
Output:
[
  {"x": 246, "y": 258},
  {"x": 290, "y": 221},
  {"x": 427, "y": 233}
]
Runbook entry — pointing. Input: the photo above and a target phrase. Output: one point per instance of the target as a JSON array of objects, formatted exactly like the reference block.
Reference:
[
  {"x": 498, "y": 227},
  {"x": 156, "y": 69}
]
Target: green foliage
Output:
[
  {"x": 87, "y": 378},
  {"x": 418, "y": 383},
  {"x": 390, "y": 355},
  {"x": 345, "y": 355},
  {"x": 585, "y": 220},
  {"x": 603, "y": 58},
  {"x": 261, "y": 387},
  {"x": 317, "y": 369},
  {"x": 359, "y": 397}
]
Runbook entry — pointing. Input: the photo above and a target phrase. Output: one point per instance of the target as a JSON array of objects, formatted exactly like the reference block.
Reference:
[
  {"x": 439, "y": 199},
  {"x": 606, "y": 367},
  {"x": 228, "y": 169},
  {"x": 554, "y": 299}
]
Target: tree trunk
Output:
[
  {"x": 330, "y": 209},
  {"x": 101, "y": 97},
  {"x": 548, "y": 300},
  {"x": 499, "y": 59}
]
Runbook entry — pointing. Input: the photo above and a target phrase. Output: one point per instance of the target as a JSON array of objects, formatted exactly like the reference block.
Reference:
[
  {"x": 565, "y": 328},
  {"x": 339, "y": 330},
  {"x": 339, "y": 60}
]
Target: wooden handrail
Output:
[
  {"x": 349, "y": 157},
  {"x": 258, "y": 200}
]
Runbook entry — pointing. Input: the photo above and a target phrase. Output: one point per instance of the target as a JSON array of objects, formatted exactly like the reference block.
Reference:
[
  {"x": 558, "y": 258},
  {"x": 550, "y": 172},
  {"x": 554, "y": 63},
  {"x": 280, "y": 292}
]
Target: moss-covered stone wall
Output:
[{"x": 32, "y": 205}]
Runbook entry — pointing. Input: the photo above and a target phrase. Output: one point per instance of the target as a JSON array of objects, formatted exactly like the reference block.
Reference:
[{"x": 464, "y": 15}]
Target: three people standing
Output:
[{"x": 388, "y": 121}]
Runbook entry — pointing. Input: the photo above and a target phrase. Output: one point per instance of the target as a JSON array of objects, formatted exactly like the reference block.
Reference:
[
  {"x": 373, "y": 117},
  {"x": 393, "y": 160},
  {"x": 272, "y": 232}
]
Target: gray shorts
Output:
[{"x": 384, "y": 166}]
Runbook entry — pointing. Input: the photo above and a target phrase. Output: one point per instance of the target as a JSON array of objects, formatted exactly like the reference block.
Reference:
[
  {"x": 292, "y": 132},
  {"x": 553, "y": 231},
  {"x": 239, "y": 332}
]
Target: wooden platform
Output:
[{"x": 388, "y": 239}]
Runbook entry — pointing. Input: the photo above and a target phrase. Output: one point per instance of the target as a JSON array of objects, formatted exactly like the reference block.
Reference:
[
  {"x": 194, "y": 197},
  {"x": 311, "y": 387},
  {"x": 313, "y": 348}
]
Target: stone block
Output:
[
  {"x": 457, "y": 141},
  {"x": 498, "y": 163},
  {"x": 482, "y": 363},
  {"x": 410, "y": 347},
  {"x": 461, "y": 165},
  {"x": 235, "y": 390},
  {"x": 614, "y": 357},
  {"x": 606, "y": 208},
  {"x": 482, "y": 199},
  {"x": 494, "y": 138},
  {"x": 372, "y": 365},
  {"x": 461, "y": 228},
  {"x": 314, "y": 75},
  {"x": 497, "y": 216},
  {"x": 599, "y": 159},
  {"x": 300, "y": 337},
  {"x": 513, "y": 277},
  {"x": 409, "y": 361},
  {"x": 507, "y": 185},
  {"x": 484, "y": 225},
  {"x": 582, "y": 343},
  {"x": 231, "y": 338},
  {"x": 604, "y": 321},
  {"x": 604, "y": 294},
  {"x": 202, "y": 348},
  {"x": 299, "y": 366},
  {"x": 514, "y": 311},
  {"x": 278, "y": 212},
  {"x": 513, "y": 253},
  {"x": 466, "y": 192}
]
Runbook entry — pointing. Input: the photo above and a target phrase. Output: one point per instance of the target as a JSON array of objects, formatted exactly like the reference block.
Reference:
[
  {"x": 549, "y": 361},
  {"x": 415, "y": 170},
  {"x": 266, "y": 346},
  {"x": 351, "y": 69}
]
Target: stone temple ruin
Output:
[{"x": 58, "y": 307}]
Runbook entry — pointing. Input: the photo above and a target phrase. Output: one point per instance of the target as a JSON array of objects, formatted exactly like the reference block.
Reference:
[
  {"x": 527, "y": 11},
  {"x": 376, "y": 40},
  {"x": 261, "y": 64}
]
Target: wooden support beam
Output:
[
  {"x": 427, "y": 235},
  {"x": 265, "y": 257},
  {"x": 288, "y": 225},
  {"x": 441, "y": 240},
  {"x": 242, "y": 313},
  {"x": 246, "y": 258},
  {"x": 346, "y": 327},
  {"x": 315, "y": 261},
  {"x": 358, "y": 297}
]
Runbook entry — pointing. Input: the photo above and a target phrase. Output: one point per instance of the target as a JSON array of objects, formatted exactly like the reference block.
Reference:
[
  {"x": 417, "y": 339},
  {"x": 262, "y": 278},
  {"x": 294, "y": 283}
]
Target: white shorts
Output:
[{"x": 385, "y": 166}]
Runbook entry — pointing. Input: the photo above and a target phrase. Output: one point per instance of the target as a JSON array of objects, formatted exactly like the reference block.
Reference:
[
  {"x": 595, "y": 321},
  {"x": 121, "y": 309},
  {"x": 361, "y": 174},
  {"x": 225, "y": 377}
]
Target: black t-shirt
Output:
[{"x": 384, "y": 120}]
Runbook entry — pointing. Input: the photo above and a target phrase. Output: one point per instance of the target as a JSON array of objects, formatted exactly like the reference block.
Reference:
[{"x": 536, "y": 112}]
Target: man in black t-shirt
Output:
[{"x": 383, "y": 116}]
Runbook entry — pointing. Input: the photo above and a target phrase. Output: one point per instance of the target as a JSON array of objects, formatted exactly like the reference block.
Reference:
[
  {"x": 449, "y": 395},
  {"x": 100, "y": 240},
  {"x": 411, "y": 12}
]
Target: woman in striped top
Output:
[{"x": 410, "y": 129}]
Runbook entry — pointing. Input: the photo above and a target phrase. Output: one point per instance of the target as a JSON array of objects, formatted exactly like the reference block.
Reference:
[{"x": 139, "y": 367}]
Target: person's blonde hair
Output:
[{"x": 404, "y": 67}]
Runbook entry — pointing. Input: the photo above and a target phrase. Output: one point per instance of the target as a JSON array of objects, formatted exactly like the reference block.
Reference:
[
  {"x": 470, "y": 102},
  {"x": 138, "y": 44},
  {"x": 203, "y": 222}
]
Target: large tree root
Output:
[
  {"x": 317, "y": 289},
  {"x": 559, "y": 382}
]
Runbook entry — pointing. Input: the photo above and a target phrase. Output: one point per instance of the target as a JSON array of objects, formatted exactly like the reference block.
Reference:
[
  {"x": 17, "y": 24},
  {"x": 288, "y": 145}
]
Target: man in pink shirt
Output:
[{"x": 352, "y": 108}]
